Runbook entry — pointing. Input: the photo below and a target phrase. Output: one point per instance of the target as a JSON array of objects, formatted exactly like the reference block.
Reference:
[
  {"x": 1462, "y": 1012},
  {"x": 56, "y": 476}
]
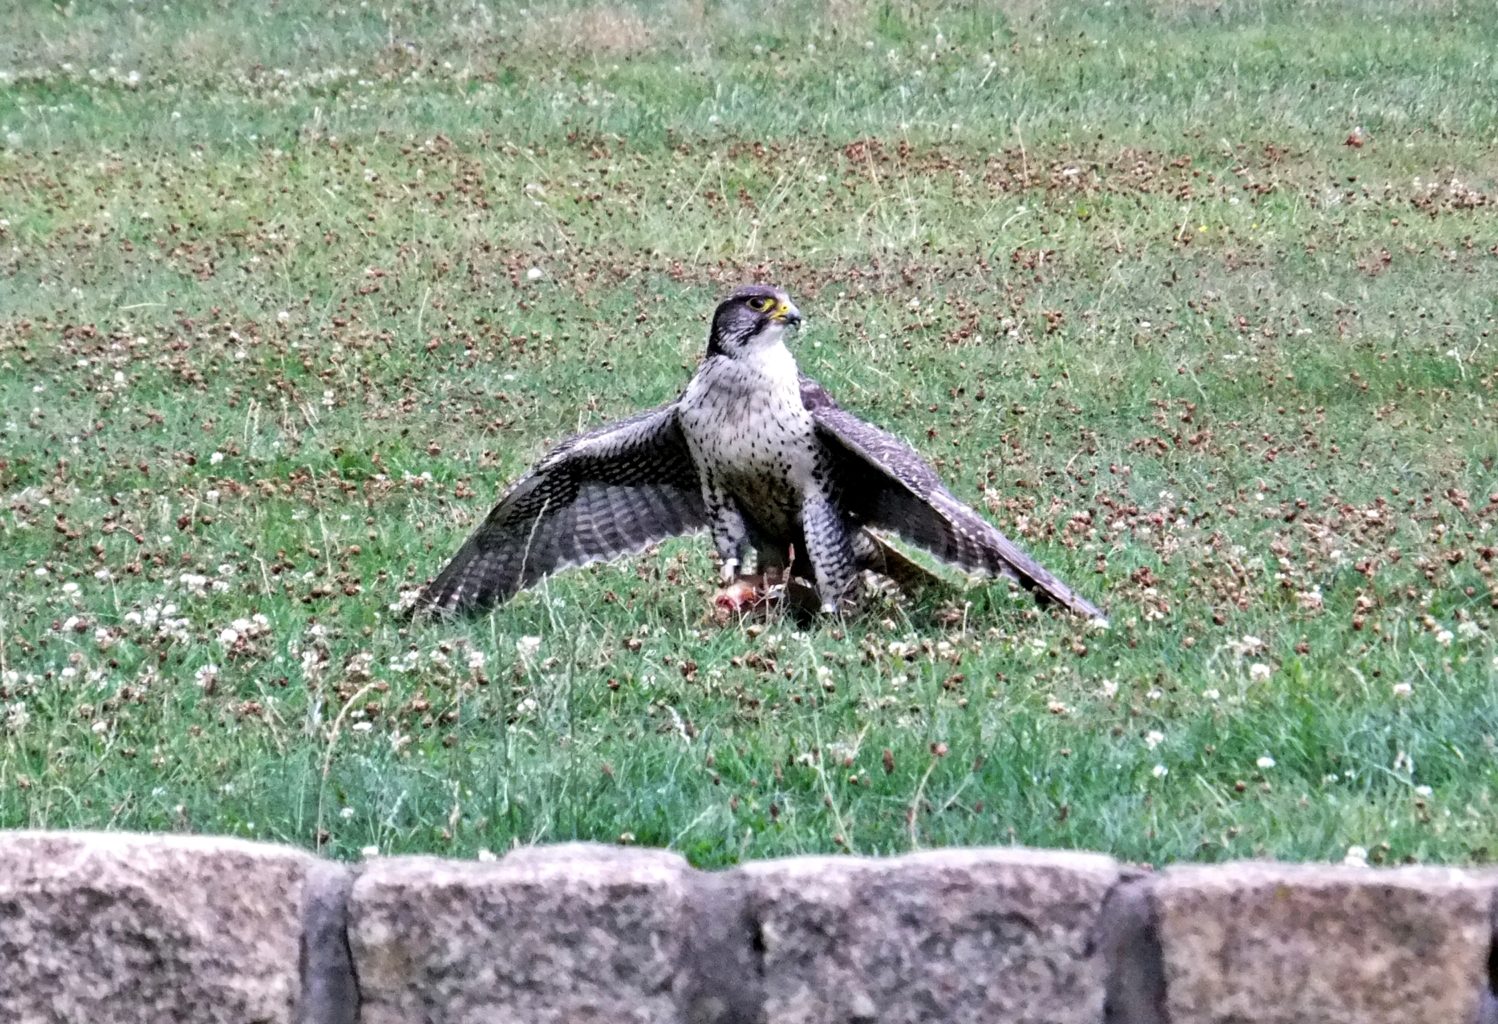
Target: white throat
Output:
[{"x": 772, "y": 361}]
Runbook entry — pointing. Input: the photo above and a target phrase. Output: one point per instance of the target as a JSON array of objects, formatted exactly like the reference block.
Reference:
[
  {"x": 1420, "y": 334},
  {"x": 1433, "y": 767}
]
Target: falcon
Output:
[{"x": 757, "y": 454}]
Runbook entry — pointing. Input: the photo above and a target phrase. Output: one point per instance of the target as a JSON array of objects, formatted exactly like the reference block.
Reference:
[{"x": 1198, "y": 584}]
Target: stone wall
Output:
[{"x": 109, "y": 927}]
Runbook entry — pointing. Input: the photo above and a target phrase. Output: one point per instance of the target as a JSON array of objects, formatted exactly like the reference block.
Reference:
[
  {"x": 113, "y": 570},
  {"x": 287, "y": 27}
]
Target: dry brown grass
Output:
[
  {"x": 208, "y": 49},
  {"x": 603, "y": 30}
]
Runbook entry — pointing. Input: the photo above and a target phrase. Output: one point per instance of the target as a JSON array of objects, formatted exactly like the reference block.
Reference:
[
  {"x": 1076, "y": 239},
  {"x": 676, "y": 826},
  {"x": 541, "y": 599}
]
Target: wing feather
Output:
[
  {"x": 606, "y": 493},
  {"x": 899, "y": 492}
]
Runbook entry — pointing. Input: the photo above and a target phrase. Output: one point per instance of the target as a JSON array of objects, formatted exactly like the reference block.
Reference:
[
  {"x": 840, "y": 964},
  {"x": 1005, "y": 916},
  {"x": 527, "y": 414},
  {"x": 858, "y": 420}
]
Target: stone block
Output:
[
  {"x": 105, "y": 927},
  {"x": 1285, "y": 944},
  {"x": 577, "y": 934},
  {"x": 956, "y": 935}
]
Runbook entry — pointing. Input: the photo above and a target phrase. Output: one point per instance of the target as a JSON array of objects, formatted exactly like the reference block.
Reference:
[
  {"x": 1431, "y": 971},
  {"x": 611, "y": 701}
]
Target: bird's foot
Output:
[{"x": 845, "y": 605}]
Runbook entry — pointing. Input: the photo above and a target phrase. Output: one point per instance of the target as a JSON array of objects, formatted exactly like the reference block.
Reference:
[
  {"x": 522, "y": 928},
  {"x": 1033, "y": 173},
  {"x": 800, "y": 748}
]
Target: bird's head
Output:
[{"x": 753, "y": 317}]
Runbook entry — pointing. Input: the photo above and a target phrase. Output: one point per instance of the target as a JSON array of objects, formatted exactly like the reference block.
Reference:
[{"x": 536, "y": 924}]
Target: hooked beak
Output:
[{"x": 787, "y": 314}]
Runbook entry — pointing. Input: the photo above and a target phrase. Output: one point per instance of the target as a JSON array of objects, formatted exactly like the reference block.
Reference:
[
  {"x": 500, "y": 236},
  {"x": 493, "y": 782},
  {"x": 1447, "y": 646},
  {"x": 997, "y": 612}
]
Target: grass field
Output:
[{"x": 1196, "y": 299}]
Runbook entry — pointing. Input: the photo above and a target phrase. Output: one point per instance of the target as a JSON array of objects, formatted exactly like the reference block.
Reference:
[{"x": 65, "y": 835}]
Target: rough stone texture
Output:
[
  {"x": 958, "y": 935},
  {"x": 104, "y": 927},
  {"x": 330, "y": 995},
  {"x": 1285, "y": 944},
  {"x": 113, "y": 927},
  {"x": 1128, "y": 940},
  {"x": 575, "y": 934}
]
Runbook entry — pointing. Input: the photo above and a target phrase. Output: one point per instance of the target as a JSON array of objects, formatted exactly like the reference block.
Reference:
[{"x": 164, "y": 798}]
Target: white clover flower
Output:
[
  {"x": 534, "y": 274},
  {"x": 311, "y": 661},
  {"x": 1403, "y": 689},
  {"x": 369, "y": 851},
  {"x": 1444, "y": 638},
  {"x": 1153, "y": 738},
  {"x": 205, "y": 675},
  {"x": 346, "y": 813},
  {"x": 1356, "y": 856},
  {"x": 1159, "y": 771},
  {"x": 1247, "y": 644},
  {"x": 1258, "y": 672},
  {"x": 1212, "y": 694},
  {"x": 1423, "y": 791},
  {"x": 1266, "y": 762},
  {"x": 215, "y": 458}
]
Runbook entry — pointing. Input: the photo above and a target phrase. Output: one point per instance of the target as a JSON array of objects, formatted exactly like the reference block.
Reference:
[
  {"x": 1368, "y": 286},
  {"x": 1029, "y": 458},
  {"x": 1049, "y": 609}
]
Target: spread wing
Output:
[
  {"x": 609, "y": 492},
  {"x": 898, "y": 492}
]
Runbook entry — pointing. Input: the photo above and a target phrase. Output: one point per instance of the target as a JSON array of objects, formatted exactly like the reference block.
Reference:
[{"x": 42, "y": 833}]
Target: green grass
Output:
[{"x": 268, "y": 346}]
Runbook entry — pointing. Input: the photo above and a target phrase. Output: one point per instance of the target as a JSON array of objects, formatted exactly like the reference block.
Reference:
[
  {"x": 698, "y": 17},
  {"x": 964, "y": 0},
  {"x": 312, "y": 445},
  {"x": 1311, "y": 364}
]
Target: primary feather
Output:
[
  {"x": 610, "y": 492},
  {"x": 901, "y": 493}
]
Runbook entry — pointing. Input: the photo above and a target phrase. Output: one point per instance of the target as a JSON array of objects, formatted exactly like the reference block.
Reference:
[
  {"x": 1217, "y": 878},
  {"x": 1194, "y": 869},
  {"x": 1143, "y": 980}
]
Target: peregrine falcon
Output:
[{"x": 756, "y": 453}]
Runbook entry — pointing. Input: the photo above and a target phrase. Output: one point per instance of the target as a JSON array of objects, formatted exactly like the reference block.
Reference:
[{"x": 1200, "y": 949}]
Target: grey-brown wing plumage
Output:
[
  {"x": 890, "y": 487},
  {"x": 609, "y": 492}
]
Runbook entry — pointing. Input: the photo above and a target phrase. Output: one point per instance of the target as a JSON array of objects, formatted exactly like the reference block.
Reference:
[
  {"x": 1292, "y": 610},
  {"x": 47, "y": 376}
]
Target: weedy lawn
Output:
[{"x": 1196, "y": 300}]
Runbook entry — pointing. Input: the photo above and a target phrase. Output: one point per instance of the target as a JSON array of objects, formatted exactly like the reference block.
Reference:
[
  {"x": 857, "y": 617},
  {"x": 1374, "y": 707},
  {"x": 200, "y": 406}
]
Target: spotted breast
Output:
[{"x": 750, "y": 434}]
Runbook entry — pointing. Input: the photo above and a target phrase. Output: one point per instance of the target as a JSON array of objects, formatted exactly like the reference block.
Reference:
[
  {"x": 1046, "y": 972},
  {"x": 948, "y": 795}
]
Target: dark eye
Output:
[{"x": 761, "y": 303}]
